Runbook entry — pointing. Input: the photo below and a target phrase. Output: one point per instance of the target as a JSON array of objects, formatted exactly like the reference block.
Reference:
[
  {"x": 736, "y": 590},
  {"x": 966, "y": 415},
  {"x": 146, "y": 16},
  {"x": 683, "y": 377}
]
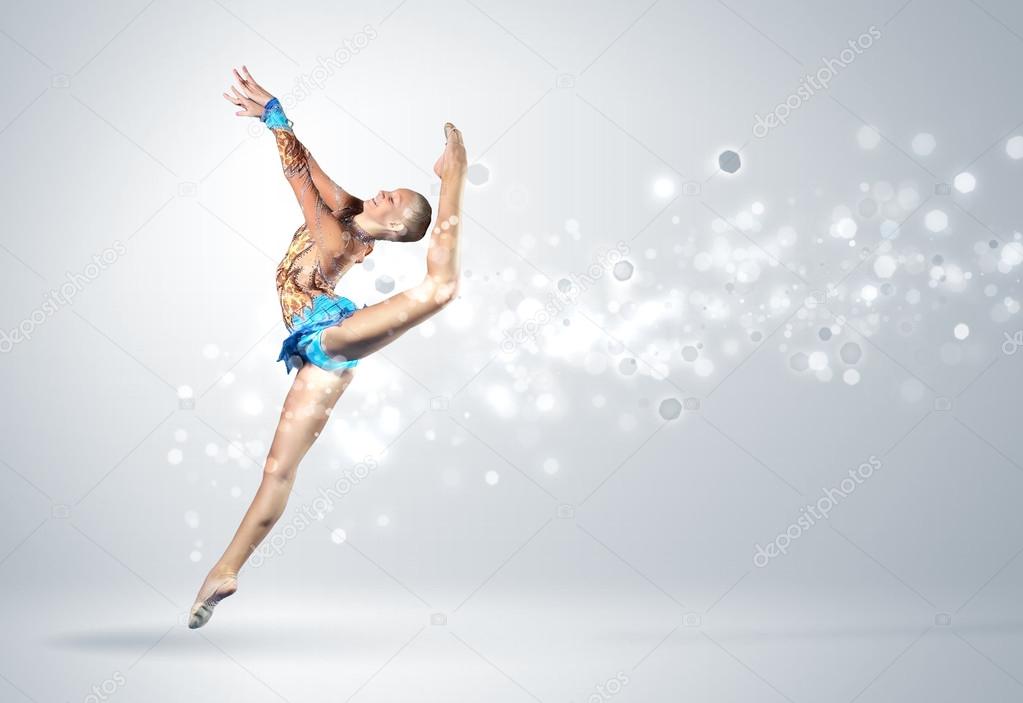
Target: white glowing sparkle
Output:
[
  {"x": 845, "y": 228},
  {"x": 884, "y": 266},
  {"x": 501, "y": 400},
  {"x": 703, "y": 367},
  {"x": 923, "y": 144},
  {"x": 936, "y": 221},
  {"x": 390, "y": 419},
  {"x": 545, "y": 402},
  {"x": 1012, "y": 254},
  {"x": 250, "y": 404},
  {"x": 965, "y": 182},
  {"x": 459, "y": 315},
  {"x": 1014, "y": 147},
  {"x": 868, "y": 137},
  {"x": 664, "y": 187},
  {"x": 818, "y": 361},
  {"x": 961, "y": 331}
]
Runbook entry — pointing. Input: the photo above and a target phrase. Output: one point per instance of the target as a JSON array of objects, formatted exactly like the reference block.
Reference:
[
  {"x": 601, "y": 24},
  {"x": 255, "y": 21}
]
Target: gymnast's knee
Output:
[
  {"x": 439, "y": 292},
  {"x": 279, "y": 472}
]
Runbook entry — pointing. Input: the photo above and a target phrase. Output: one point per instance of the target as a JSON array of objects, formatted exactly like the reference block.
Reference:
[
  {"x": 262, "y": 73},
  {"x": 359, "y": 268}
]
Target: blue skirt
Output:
[{"x": 303, "y": 344}]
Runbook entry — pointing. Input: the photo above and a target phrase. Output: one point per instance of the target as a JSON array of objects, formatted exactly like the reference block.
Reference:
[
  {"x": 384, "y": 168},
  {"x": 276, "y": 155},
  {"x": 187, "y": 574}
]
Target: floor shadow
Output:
[{"x": 325, "y": 637}]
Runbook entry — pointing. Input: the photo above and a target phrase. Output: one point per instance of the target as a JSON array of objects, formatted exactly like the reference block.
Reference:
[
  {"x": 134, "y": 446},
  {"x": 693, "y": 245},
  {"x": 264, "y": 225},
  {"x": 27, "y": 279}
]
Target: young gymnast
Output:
[{"x": 328, "y": 334}]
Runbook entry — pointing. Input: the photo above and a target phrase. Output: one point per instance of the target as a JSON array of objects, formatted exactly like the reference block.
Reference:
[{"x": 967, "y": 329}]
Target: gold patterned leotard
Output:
[{"x": 300, "y": 277}]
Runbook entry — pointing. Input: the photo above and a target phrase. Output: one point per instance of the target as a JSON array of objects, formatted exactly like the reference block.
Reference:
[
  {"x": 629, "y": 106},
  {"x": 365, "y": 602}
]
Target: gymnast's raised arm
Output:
[
  {"x": 330, "y": 192},
  {"x": 316, "y": 192}
]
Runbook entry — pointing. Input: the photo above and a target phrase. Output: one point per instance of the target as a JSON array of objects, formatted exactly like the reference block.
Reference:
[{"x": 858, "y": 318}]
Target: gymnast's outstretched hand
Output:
[{"x": 252, "y": 98}]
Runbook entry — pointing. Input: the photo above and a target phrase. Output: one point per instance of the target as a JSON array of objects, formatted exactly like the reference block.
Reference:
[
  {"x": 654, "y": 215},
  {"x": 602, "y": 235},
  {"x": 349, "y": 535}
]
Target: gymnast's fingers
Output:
[
  {"x": 250, "y": 80},
  {"x": 242, "y": 83}
]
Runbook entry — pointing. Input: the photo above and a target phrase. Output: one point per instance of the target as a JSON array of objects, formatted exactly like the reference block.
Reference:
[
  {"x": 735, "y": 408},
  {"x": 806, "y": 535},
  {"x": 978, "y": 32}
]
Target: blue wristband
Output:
[{"x": 273, "y": 115}]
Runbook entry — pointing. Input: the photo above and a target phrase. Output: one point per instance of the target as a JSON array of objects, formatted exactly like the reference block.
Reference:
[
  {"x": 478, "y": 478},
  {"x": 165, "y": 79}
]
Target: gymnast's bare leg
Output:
[
  {"x": 313, "y": 395},
  {"x": 315, "y": 391}
]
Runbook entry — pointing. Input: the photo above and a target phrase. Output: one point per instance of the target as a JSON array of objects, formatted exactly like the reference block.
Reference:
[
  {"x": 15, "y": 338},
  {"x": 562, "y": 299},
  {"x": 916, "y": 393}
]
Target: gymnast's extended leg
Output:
[{"x": 375, "y": 326}]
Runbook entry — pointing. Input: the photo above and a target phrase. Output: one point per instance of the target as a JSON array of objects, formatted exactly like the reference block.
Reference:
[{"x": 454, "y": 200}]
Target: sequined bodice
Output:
[{"x": 300, "y": 277}]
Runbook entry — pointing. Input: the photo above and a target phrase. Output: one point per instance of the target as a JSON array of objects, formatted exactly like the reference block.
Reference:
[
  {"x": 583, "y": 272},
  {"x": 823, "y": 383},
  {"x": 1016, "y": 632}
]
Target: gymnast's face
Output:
[{"x": 400, "y": 215}]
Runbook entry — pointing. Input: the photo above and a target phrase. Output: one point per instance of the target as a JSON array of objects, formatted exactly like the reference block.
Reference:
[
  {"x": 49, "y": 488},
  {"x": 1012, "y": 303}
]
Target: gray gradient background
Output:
[{"x": 116, "y": 496}]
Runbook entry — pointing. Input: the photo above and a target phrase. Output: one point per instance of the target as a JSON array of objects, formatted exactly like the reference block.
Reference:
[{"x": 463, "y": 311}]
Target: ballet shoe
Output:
[{"x": 202, "y": 609}]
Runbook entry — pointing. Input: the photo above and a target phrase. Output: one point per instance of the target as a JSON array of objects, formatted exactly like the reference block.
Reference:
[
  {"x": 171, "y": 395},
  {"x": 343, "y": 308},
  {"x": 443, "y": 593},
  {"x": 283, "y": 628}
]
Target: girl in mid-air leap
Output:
[{"x": 328, "y": 333}]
